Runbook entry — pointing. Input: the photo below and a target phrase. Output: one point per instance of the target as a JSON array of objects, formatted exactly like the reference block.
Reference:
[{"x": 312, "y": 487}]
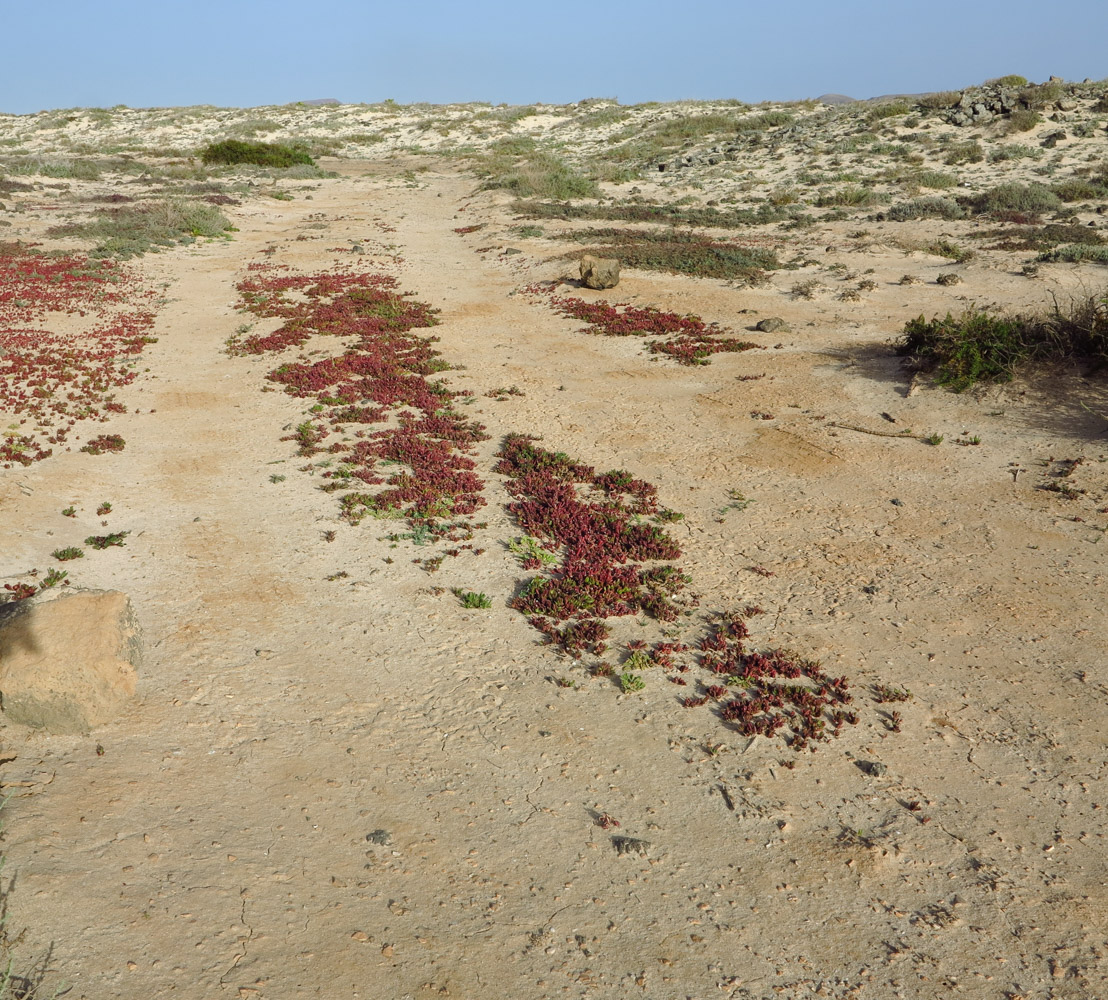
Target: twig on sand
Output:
[{"x": 866, "y": 430}]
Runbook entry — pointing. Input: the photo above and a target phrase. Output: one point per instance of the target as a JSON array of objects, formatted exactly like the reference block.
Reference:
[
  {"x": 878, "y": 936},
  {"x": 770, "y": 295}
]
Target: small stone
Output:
[
  {"x": 382, "y": 837},
  {"x": 360, "y": 936},
  {"x": 875, "y": 768},
  {"x": 771, "y": 324}
]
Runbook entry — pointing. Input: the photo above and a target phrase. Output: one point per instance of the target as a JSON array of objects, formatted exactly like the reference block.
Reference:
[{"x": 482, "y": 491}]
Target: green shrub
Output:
[
  {"x": 61, "y": 168},
  {"x": 132, "y": 230},
  {"x": 1023, "y": 120},
  {"x": 1078, "y": 189},
  {"x": 1012, "y": 80},
  {"x": 964, "y": 152},
  {"x": 678, "y": 252},
  {"x": 890, "y": 109},
  {"x": 736, "y": 218},
  {"x": 934, "y": 179},
  {"x": 1040, "y": 238},
  {"x": 931, "y": 207},
  {"x": 1012, "y": 197},
  {"x": 537, "y": 175},
  {"x": 854, "y": 197},
  {"x": 766, "y": 120},
  {"x": 941, "y": 101},
  {"x": 1039, "y": 96},
  {"x": 949, "y": 250},
  {"x": 260, "y": 154},
  {"x": 1014, "y": 151},
  {"x": 982, "y": 346},
  {"x": 1076, "y": 253}
]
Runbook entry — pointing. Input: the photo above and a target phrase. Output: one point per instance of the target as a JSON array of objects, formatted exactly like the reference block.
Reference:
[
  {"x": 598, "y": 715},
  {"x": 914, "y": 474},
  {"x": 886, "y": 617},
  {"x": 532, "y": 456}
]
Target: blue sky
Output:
[{"x": 235, "y": 53}]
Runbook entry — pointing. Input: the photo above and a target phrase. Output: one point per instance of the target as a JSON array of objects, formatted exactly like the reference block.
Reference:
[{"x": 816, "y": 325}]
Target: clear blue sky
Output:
[{"x": 236, "y": 53}]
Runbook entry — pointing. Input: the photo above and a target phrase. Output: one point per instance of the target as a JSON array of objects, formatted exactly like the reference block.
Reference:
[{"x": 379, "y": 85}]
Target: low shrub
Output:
[
  {"x": 260, "y": 154},
  {"x": 1076, "y": 253},
  {"x": 964, "y": 152},
  {"x": 1040, "y": 238},
  {"x": 131, "y": 230},
  {"x": 1014, "y": 151},
  {"x": 933, "y": 179},
  {"x": 852, "y": 197},
  {"x": 1023, "y": 120},
  {"x": 716, "y": 218},
  {"x": 536, "y": 175},
  {"x": 982, "y": 346},
  {"x": 1012, "y": 197},
  {"x": 678, "y": 252},
  {"x": 1078, "y": 189},
  {"x": 889, "y": 109},
  {"x": 941, "y": 101},
  {"x": 931, "y": 207}
]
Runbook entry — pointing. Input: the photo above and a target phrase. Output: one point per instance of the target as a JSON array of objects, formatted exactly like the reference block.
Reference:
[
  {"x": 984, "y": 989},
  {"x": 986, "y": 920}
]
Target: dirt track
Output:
[{"x": 219, "y": 845}]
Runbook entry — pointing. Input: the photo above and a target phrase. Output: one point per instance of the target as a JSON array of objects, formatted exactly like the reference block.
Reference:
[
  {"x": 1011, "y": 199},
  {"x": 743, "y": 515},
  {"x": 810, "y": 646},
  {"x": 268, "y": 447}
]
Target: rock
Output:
[
  {"x": 771, "y": 325},
  {"x": 1066, "y": 105},
  {"x": 599, "y": 272},
  {"x": 68, "y": 662}
]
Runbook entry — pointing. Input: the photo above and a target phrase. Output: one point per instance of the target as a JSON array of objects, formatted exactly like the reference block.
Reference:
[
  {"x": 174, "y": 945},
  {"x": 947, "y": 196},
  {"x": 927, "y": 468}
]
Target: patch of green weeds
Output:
[
  {"x": 470, "y": 599},
  {"x": 65, "y": 555},
  {"x": 629, "y": 682},
  {"x": 107, "y": 541},
  {"x": 529, "y": 550}
]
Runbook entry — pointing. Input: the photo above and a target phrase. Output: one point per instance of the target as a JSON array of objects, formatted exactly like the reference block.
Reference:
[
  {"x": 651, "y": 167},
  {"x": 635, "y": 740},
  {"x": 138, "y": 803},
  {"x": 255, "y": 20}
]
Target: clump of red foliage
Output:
[
  {"x": 688, "y": 339},
  {"x": 104, "y": 443},
  {"x": 49, "y": 380},
  {"x": 383, "y": 377},
  {"x": 594, "y": 520},
  {"x": 616, "y": 563},
  {"x": 763, "y": 692}
]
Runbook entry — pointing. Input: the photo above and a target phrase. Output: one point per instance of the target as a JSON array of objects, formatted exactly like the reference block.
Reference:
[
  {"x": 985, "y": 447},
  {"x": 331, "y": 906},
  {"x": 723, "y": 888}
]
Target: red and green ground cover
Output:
[
  {"x": 686, "y": 339},
  {"x": 384, "y": 377},
  {"x": 51, "y": 379},
  {"x": 616, "y": 559}
]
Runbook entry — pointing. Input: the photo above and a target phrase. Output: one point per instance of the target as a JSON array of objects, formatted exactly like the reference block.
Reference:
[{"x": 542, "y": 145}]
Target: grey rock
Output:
[{"x": 771, "y": 324}]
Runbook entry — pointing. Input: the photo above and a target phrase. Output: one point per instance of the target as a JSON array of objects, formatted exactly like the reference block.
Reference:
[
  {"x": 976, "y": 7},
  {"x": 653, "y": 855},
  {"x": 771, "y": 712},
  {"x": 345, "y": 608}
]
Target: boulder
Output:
[
  {"x": 68, "y": 661},
  {"x": 599, "y": 272}
]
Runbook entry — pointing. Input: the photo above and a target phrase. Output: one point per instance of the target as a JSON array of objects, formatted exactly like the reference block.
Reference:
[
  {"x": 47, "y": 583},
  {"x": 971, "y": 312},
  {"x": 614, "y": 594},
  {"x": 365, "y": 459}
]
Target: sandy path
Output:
[{"x": 219, "y": 846}]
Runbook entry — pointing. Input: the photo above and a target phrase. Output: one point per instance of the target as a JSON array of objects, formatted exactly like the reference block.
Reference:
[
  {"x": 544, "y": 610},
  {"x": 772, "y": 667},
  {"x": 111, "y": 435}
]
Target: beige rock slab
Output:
[{"x": 69, "y": 663}]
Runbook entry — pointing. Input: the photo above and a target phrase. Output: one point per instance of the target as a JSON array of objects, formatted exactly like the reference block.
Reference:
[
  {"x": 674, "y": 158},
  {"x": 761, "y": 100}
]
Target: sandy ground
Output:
[{"x": 357, "y": 788}]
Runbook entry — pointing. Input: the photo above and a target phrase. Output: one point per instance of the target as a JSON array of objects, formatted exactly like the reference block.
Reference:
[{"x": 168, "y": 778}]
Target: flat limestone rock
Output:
[
  {"x": 68, "y": 662},
  {"x": 599, "y": 272}
]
